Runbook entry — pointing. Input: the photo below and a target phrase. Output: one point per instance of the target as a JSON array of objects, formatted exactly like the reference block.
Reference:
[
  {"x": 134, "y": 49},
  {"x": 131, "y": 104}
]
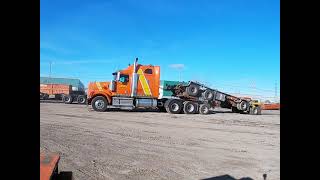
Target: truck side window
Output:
[
  {"x": 114, "y": 76},
  {"x": 124, "y": 78},
  {"x": 148, "y": 71}
]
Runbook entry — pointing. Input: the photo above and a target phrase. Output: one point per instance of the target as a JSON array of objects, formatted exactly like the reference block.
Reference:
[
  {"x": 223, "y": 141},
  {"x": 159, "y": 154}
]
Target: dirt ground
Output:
[{"x": 153, "y": 145}]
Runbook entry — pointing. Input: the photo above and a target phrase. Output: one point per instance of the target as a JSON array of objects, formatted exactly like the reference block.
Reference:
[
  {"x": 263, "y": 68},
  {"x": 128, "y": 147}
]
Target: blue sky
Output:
[{"x": 232, "y": 45}]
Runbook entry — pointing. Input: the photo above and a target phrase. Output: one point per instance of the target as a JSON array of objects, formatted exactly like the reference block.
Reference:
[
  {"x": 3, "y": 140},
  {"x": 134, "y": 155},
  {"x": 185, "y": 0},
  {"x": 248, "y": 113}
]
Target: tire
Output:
[
  {"x": 193, "y": 90},
  {"x": 244, "y": 105},
  {"x": 190, "y": 107},
  {"x": 208, "y": 95},
  {"x": 162, "y": 109},
  {"x": 67, "y": 99},
  {"x": 204, "y": 109},
  {"x": 234, "y": 109},
  {"x": 255, "y": 110},
  {"x": 173, "y": 106},
  {"x": 99, "y": 103},
  {"x": 82, "y": 99}
]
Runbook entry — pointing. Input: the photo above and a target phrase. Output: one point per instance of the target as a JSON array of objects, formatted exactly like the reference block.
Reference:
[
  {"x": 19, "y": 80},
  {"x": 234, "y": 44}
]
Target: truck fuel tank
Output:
[{"x": 146, "y": 103}]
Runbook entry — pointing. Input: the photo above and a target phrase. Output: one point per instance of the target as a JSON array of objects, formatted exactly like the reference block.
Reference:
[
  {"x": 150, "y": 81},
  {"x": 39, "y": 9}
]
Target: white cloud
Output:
[{"x": 177, "y": 66}]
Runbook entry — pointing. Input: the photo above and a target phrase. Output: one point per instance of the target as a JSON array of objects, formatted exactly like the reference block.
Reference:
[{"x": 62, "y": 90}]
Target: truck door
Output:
[{"x": 123, "y": 85}]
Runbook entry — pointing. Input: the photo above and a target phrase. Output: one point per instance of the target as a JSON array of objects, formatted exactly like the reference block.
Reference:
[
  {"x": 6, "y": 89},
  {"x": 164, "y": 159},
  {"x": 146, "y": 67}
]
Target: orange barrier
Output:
[{"x": 272, "y": 106}]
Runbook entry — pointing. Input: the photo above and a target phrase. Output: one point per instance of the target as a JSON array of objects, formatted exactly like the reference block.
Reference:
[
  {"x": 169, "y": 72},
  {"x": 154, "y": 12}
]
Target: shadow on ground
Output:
[
  {"x": 226, "y": 177},
  {"x": 64, "y": 175}
]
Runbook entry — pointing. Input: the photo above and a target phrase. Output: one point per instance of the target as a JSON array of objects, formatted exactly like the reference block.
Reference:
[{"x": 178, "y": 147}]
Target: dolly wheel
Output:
[{"x": 204, "y": 109}]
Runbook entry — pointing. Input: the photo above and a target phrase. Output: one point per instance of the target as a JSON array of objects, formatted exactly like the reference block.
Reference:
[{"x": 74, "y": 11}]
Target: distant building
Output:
[
  {"x": 267, "y": 101},
  {"x": 76, "y": 84}
]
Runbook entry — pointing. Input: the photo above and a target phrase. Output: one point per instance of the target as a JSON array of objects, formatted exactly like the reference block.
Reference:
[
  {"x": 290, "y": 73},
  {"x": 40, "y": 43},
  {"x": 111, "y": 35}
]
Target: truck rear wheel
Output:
[
  {"x": 234, "y": 109},
  {"x": 82, "y": 99},
  {"x": 162, "y": 109},
  {"x": 204, "y": 109},
  {"x": 173, "y": 106},
  {"x": 67, "y": 99},
  {"x": 193, "y": 90},
  {"x": 190, "y": 107},
  {"x": 99, "y": 103}
]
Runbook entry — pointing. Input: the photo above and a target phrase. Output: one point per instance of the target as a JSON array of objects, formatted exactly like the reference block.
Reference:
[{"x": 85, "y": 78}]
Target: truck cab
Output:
[{"x": 137, "y": 85}]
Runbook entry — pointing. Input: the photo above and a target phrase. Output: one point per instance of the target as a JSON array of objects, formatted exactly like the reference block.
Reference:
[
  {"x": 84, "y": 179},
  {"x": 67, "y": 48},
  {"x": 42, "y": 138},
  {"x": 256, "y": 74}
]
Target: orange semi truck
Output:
[{"x": 138, "y": 86}]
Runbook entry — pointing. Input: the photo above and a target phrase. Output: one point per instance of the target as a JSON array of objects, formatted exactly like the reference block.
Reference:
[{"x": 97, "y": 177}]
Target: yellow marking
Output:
[
  {"x": 99, "y": 86},
  {"x": 144, "y": 83}
]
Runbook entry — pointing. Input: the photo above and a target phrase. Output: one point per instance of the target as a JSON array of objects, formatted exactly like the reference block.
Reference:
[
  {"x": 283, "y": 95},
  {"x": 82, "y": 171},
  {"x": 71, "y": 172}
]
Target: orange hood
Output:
[{"x": 95, "y": 87}]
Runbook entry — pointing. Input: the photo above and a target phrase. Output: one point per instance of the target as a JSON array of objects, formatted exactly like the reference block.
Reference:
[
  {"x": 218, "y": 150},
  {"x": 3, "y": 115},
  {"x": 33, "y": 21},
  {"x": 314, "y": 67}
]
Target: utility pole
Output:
[
  {"x": 50, "y": 69},
  {"x": 50, "y": 82}
]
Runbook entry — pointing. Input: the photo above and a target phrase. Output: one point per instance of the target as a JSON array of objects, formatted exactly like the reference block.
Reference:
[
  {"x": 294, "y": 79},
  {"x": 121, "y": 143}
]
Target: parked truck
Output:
[
  {"x": 62, "y": 89},
  {"x": 139, "y": 86}
]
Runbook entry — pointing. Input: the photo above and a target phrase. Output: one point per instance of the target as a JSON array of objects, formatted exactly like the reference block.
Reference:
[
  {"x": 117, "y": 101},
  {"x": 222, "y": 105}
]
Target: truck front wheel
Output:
[{"x": 99, "y": 103}]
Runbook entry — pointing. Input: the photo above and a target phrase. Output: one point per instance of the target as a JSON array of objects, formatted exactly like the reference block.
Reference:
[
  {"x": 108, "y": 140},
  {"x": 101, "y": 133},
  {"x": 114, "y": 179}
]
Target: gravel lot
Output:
[{"x": 153, "y": 145}]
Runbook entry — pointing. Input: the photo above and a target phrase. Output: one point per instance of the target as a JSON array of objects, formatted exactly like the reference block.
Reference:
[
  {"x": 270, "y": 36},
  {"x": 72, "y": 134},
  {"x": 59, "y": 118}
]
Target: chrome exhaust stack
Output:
[{"x": 134, "y": 83}]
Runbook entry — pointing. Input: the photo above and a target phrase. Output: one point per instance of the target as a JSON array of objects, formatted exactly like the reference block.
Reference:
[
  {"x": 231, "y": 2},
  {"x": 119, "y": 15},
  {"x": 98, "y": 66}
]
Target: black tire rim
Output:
[
  {"x": 243, "y": 106},
  {"x": 193, "y": 90},
  {"x": 99, "y": 104},
  {"x": 190, "y": 108},
  {"x": 81, "y": 100},
  {"x": 174, "y": 107},
  {"x": 205, "y": 109},
  {"x": 66, "y": 99}
]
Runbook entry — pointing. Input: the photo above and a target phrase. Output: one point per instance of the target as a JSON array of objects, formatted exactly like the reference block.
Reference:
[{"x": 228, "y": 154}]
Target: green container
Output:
[{"x": 165, "y": 83}]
